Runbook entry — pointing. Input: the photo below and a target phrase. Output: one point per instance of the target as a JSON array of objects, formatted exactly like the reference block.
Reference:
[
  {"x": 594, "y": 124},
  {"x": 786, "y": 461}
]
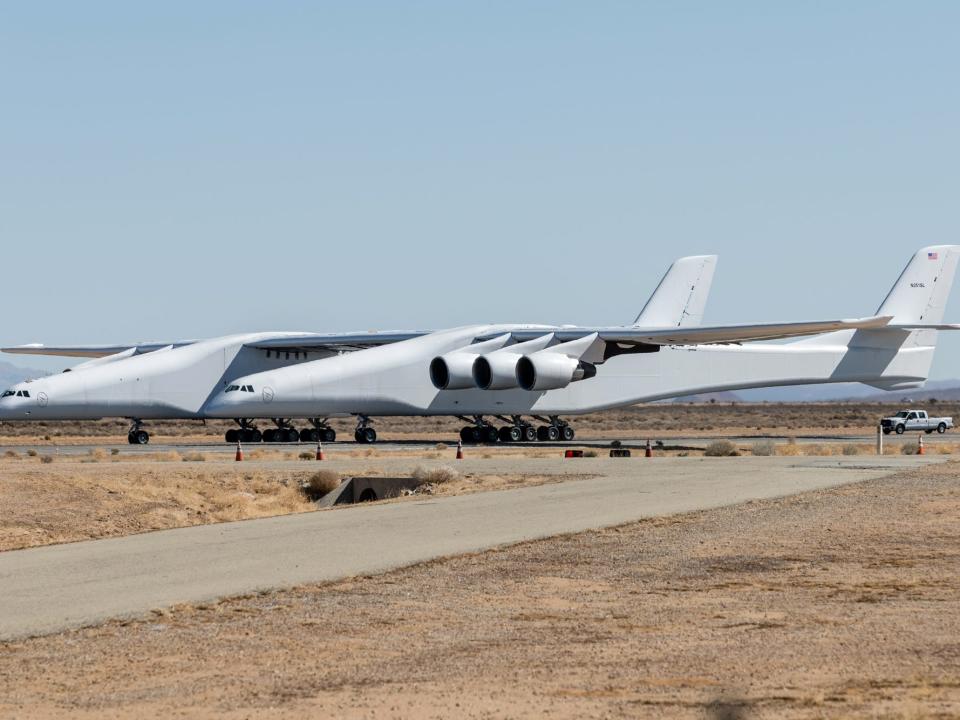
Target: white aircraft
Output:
[
  {"x": 177, "y": 380},
  {"x": 512, "y": 371}
]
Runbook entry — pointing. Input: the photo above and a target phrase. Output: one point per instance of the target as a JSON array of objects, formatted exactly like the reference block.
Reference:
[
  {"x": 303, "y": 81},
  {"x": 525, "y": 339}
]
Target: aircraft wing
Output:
[
  {"x": 708, "y": 335},
  {"x": 336, "y": 341},
  {"x": 90, "y": 351}
]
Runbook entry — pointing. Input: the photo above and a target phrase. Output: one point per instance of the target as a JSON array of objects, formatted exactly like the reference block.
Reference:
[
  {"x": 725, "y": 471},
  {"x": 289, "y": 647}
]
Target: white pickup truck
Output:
[{"x": 915, "y": 420}]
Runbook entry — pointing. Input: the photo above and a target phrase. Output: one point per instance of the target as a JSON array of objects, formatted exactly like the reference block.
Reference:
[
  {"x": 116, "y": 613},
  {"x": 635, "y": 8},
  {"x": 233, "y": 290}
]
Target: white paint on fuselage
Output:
[
  {"x": 170, "y": 384},
  {"x": 394, "y": 379}
]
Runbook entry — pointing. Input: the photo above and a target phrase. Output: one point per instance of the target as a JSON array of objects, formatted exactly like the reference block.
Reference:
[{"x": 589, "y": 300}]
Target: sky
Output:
[{"x": 179, "y": 170}]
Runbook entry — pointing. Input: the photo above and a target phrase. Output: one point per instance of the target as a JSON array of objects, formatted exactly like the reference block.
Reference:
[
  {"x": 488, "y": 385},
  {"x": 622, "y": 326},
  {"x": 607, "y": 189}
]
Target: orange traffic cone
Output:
[
  {"x": 319, "y": 450},
  {"x": 459, "y": 450},
  {"x": 649, "y": 450},
  {"x": 920, "y": 450},
  {"x": 239, "y": 456}
]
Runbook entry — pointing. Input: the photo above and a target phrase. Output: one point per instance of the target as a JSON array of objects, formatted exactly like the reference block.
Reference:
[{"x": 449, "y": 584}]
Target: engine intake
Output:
[
  {"x": 497, "y": 371},
  {"x": 454, "y": 371}
]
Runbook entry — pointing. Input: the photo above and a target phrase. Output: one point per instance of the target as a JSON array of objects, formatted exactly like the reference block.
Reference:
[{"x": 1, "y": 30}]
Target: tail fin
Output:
[
  {"x": 681, "y": 296},
  {"x": 920, "y": 294},
  {"x": 898, "y": 358}
]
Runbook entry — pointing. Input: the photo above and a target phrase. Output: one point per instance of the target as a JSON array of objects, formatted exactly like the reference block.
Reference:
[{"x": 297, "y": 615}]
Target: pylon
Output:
[
  {"x": 239, "y": 456},
  {"x": 459, "y": 450},
  {"x": 920, "y": 450},
  {"x": 319, "y": 450},
  {"x": 649, "y": 450}
]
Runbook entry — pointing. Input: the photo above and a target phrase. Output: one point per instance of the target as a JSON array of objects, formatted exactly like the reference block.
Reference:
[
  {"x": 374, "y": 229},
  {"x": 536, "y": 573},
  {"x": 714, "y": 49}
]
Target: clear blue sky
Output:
[{"x": 179, "y": 170}]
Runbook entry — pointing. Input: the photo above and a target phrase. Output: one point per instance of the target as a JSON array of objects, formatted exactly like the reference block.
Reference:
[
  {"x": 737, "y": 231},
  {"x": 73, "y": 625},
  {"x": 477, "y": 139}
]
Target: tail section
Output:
[
  {"x": 681, "y": 296},
  {"x": 896, "y": 358},
  {"x": 920, "y": 294}
]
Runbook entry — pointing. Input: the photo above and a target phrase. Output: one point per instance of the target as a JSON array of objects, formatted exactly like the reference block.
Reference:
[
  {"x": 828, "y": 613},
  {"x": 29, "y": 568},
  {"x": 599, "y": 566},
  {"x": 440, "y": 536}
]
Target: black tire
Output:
[
  {"x": 503, "y": 434},
  {"x": 140, "y": 437},
  {"x": 529, "y": 434},
  {"x": 490, "y": 435},
  {"x": 358, "y": 436},
  {"x": 465, "y": 434},
  {"x": 886, "y": 431},
  {"x": 567, "y": 433},
  {"x": 542, "y": 433},
  {"x": 369, "y": 435},
  {"x": 130, "y": 438},
  {"x": 900, "y": 429},
  {"x": 928, "y": 431},
  {"x": 329, "y": 435},
  {"x": 308, "y": 435},
  {"x": 291, "y": 435},
  {"x": 515, "y": 434},
  {"x": 942, "y": 428},
  {"x": 231, "y": 437},
  {"x": 256, "y": 436},
  {"x": 553, "y": 433}
]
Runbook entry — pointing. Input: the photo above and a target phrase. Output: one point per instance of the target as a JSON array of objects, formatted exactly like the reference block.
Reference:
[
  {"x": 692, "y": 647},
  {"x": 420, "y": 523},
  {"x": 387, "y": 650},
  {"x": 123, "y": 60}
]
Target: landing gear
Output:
[
  {"x": 283, "y": 433},
  {"x": 518, "y": 431},
  {"x": 556, "y": 429},
  {"x": 480, "y": 432},
  {"x": 364, "y": 433},
  {"x": 320, "y": 432},
  {"x": 136, "y": 435},
  {"x": 246, "y": 433}
]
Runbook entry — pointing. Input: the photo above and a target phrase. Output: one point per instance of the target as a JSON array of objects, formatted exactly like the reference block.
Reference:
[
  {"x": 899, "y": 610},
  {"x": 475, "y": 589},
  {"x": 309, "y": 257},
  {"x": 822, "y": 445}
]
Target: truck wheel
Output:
[
  {"x": 900, "y": 429},
  {"x": 942, "y": 428},
  {"x": 886, "y": 431}
]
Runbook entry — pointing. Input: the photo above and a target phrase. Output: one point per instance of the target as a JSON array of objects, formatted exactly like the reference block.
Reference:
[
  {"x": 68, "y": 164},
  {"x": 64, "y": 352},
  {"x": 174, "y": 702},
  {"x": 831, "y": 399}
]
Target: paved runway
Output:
[{"x": 52, "y": 588}]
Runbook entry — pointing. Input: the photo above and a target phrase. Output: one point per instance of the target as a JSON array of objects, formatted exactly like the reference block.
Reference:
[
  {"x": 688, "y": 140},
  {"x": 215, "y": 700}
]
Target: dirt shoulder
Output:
[{"x": 837, "y": 602}]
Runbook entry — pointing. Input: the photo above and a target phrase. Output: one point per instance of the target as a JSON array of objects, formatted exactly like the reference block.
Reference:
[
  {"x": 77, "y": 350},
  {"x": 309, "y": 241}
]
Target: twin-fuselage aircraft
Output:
[{"x": 525, "y": 376}]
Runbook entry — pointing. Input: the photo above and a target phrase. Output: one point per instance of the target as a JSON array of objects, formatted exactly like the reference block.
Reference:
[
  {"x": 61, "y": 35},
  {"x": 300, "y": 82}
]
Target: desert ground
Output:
[
  {"x": 839, "y": 602},
  {"x": 834, "y": 603}
]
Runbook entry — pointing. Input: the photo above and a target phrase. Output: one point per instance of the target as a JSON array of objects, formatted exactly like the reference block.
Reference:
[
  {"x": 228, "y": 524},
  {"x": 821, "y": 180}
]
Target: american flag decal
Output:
[{"x": 932, "y": 256}]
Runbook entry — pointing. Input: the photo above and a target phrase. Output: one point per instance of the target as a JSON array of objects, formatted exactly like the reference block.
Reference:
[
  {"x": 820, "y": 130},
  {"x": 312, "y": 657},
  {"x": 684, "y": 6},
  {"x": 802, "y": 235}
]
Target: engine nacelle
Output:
[
  {"x": 453, "y": 371},
  {"x": 551, "y": 371},
  {"x": 496, "y": 371}
]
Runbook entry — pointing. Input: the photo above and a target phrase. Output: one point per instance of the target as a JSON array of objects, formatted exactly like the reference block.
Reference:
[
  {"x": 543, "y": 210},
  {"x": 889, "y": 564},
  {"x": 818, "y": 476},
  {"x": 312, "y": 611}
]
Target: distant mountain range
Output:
[{"x": 12, "y": 374}]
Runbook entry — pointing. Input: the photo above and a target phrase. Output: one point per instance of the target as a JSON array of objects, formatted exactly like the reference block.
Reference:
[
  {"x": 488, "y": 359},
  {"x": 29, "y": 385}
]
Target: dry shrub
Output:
[
  {"x": 721, "y": 448},
  {"x": 11, "y": 454},
  {"x": 819, "y": 449},
  {"x": 114, "y": 451},
  {"x": 850, "y": 449},
  {"x": 320, "y": 483},
  {"x": 791, "y": 449},
  {"x": 440, "y": 446},
  {"x": 171, "y": 456},
  {"x": 46, "y": 459},
  {"x": 306, "y": 456},
  {"x": 32, "y": 453},
  {"x": 194, "y": 457},
  {"x": 945, "y": 449},
  {"x": 97, "y": 454},
  {"x": 908, "y": 449},
  {"x": 436, "y": 476},
  {"x": 764, "y": 448}
]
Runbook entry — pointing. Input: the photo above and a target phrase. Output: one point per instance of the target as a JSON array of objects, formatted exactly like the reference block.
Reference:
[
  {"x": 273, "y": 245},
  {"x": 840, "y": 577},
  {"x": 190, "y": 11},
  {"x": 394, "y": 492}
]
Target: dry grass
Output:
[
  {"x": 721, "y": 448},
  {"x": 436, "y": 475},
  {"x": 320, "y": 483},
  {"x": 764, "y": 448},
  {"x": 194, "y": 457}
]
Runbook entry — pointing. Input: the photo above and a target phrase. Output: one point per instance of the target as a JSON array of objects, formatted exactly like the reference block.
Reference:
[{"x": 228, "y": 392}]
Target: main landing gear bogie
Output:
[
  {"x": 136, "y": 435},
  {"x": 364, "y": 434},
  {"x": 482, "y": 431}
]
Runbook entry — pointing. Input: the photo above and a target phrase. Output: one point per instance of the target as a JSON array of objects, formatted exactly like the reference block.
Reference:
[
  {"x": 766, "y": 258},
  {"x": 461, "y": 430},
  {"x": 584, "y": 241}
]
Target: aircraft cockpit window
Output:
[
  {"x": 232, "y": 388},
  {"x": 248, "y": 388},
  {"x": 23, "y": 393},
  {"x": 7, "y": 393}
]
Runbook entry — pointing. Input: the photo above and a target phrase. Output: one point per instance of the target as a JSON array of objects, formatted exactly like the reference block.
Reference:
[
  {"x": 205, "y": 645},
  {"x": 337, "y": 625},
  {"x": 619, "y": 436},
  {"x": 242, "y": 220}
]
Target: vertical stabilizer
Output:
[
  {"x": 681, "y": 296},
  {"x": 920, "y": 294}
]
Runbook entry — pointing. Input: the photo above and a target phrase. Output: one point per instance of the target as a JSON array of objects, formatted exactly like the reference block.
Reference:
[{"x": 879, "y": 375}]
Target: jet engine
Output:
[
  {"x": 550, "y": 371},
  {"x": 454, "y": 371},
  {"x": 558, "y": 366},
  {"x": 498, "y": 370}
]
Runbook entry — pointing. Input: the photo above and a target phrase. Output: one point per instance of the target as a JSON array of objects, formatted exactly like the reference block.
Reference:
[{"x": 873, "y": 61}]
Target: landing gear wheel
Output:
[
  {"x": 503, "y": 434},
  {"x": 140, "y": 437},
  {"x": 942, "y": 428},
  {"x": 529, "y": 434},
  {"x": 231, "y": 436},
  {"x": 566, "y": 432},
  {"x": 309, "y": 435},
  {"x": 489, "y": 434},
  {"x": 514, "y": 434},
  {"x": 470, "y": 434},
  {"x": 369, "y": 435},
  {"x": 256, "y": 436},
  {"x": 548, "y": 433},
  {"x": 329, "y": 435},
  {"x": 269, "y": 435},
  {"x": 291, "y": 435}
]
